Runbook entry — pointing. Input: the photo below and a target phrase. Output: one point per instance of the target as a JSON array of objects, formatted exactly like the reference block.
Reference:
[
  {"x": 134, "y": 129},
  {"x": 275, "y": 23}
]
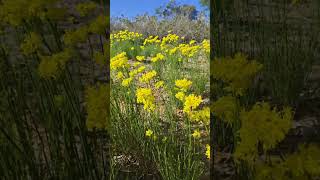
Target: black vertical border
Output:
[
  {"x": 215, "y": 16},
  {"x": 212, "y": 50},
  {"x": 106, "y": 5}
]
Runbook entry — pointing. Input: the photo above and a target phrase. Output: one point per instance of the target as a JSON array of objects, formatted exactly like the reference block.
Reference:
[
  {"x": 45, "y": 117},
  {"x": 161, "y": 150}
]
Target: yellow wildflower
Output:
[
  {"x": 183, "y": 84},
  {"x": 126, "y": 82},
  {"x": 31, "y": 43},
  {"x": 119, "y": 61},
  {"x": 180, "y": 95},
  {"x": 145, "y": 96},
  {"x": 148, "y": 76},
  {"x": 173, "y": 50},
  {"x": 97, "y": 104},
  {"x": 208, "y": 151},
  {"x": 192, "y": 42},
  {"x": 206, "y": 45},
  {"x": 133, "y": 73},
  {"x": 140, "y": 58},
  {"x": 142, "y": 68},
  {"x": 48, "y": 68},
  {"x": 136, "y": 64},
  {"x": 149, "y": 133},
  {"x": 120, "y": 75},
  {"x": 191, "y": 103},
  {"x": 159, "y": 56},
  {"x": 196, "y": 134},
  {"x": 50, "y": 65},
  {"x": 159, "y": 84},
  {"x": 201, "y": 115}
]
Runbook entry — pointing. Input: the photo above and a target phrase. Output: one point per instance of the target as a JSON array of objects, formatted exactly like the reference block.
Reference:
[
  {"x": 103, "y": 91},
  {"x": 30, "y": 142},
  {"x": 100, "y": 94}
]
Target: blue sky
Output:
[{"x": 131, "y": 8}]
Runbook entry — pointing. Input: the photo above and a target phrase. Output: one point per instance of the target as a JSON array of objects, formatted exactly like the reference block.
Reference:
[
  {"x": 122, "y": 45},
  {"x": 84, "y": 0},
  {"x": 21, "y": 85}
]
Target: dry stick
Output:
[
  {"x": 91, "y": 55},
  {"x": 101, "y": 44}
]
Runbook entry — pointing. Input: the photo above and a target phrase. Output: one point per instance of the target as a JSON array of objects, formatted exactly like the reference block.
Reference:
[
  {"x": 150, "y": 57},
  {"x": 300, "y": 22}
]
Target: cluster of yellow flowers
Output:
[
  {"x": 225, "y": 108},
  {"x": 124, "y": 36},
  {"x": 145, "y": 96},
  {"x": 151, "y": 40},
  {"x": 159, "y": 84},
  {"x": 238, "y": 72},
  {"x": 206, "y": 45},
  {"x": 196, "y": 134},
  {"x": 80, "y": 35},
  {"x": 189, "y": 50},
  {"x": 299, "y": 165},
  {"x": 183, "y": 84},
  {"x": 264, "y": 125},
  {"x": 120, "y": 60},
  {"x": 169, "y": 45},
  {"x": 170, "y": 38},
  {"x": 126, "y": 82},
  {"x": 147, "y": 76},
  {"x": 31, "y": 43},
  {"x": 50, "y": 65},
  {"x": 150, "y": 133},
  {"x": 97, "y": 104},
  {"x": 202, "y": 115},
  {"x": 208, "y": 151},
  {"x": 159, "y": 56},
  {"x": 140, "y": 58},
  {"x": 191, "y": 102}
]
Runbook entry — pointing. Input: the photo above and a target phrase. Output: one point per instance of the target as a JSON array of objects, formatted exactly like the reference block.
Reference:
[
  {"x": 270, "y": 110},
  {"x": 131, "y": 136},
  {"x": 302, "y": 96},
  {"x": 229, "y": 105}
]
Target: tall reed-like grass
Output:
[{"x": 43, "y": 129}]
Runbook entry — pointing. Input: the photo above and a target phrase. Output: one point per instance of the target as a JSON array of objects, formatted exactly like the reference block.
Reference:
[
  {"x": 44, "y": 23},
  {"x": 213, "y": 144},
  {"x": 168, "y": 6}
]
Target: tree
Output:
[
  {"x": 205, "y": 3},
  {"x": 173, "y": 9}
]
